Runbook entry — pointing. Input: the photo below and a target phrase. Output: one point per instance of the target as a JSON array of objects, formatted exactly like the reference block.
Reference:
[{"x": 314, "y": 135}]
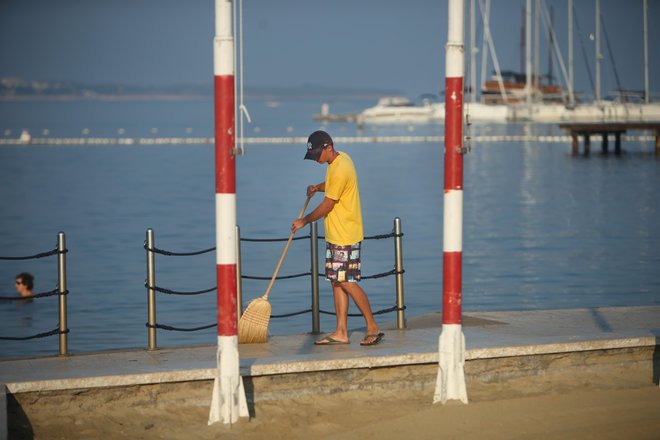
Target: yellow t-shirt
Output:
[{"x": 343, "y": 225}]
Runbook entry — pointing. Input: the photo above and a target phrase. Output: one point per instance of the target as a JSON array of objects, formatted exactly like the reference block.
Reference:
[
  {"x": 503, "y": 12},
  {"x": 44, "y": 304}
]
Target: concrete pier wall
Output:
[{"x": 487, "y": 379}]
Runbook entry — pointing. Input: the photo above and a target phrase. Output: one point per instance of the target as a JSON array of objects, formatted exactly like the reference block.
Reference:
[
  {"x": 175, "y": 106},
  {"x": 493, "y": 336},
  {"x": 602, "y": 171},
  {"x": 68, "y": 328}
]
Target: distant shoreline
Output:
[
  {"x": 278, "y": 96},
  {"x": 136, "y": 97},
  {"x": 175, "y": 97}
]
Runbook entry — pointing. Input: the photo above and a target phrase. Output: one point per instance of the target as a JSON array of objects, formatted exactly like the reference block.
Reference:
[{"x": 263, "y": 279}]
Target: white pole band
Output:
[
  {"x": 454, "y": 62},
  {"x": 455, "y": 40},
  {"x": 456, "y": 25},
  {"x": 223, "y": 57},
  {"x": 223, "y": 43},
  {"x": 453, "y": 221},
  {"x": 225, "y": 239}
]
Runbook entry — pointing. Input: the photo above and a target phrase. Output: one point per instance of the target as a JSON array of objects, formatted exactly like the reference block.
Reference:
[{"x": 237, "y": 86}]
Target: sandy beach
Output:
[{"x": 579, "y": 413}]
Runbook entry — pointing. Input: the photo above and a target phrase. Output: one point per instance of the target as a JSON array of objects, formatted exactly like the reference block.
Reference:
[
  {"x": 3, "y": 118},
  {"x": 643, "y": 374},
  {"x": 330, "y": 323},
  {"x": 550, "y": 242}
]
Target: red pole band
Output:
[
  {"x": 453, "y": 133},
  {"x": 225, "y": 164},
  {"x": 227, "y": 320},
  {"x": 452, "y": 296}
]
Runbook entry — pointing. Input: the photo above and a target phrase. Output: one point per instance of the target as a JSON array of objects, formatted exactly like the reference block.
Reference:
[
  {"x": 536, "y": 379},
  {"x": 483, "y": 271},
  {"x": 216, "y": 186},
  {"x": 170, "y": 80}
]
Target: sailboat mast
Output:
[
  {"x": 551, "y": 42},
  {"x": 537, "y": 64},
  {"x": 523, "y": 32},
  {"x": 473, "y": 53},
  {"x": 528, "y": 50},
  {"x": 646, "y": 52},
  {"x": 571, "y": 83},
  {"x": 598, "y": 56},
  {"x": 485, "y": 13}
]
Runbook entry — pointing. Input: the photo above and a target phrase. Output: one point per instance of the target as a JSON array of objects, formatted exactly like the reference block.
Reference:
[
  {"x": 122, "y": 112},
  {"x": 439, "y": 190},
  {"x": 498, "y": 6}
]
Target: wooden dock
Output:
[{"x": 605, "y": 129}]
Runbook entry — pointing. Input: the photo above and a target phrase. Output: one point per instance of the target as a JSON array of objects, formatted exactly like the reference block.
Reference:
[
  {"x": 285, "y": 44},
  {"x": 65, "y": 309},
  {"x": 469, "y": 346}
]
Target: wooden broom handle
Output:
[{"x": 286, "y": 248}]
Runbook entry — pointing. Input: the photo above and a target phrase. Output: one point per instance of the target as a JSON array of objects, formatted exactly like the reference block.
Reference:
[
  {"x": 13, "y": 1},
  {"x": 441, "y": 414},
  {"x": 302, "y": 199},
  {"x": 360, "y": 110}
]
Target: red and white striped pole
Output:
[
  {"x": 228, "y": 402},
  {"x": 450, "y": 384}
]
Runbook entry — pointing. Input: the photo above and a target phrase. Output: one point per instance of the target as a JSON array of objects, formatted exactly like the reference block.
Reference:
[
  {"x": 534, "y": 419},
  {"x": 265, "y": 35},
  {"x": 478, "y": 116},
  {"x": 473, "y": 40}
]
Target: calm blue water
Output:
[{"x": 542, "y": 229}]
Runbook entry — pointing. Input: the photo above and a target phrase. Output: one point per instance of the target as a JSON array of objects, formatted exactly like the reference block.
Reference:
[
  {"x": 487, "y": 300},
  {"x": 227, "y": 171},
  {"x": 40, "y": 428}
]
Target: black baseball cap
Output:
[{"x": 316, "y": 142}]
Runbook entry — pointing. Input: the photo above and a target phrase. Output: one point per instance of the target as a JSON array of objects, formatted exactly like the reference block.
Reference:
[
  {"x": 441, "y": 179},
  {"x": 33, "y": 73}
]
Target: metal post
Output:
[
  {"x": 605, "y": 143},
  {"x": 314, "y": 255},
  {"x": 239, "y": 274},
  {"x": 151, "y": 292},
  {"x": 450, "y": 383},
  {"x": 61, "y": 275},
  {"x": 228, "y": 401},
  {"x": 398, "y": 264}
]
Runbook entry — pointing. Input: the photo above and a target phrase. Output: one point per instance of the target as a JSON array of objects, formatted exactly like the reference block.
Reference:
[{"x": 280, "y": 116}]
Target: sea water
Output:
[{"x": 542, "y": 229}]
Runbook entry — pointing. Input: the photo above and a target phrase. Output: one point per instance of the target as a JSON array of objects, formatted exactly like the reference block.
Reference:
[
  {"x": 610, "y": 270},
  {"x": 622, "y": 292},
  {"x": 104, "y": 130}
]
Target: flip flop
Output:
[
  {"x": 330, "y": 341},
  {"x": 377, "y": 338}
]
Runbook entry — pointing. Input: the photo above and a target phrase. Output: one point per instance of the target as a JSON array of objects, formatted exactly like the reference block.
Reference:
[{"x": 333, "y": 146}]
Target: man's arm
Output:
[
  {"x": 321, "y": 211},
  {"x": 311, "y": 189}
]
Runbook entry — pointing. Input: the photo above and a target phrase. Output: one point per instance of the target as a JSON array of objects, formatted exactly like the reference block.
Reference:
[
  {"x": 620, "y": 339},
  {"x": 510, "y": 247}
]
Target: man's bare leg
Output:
[
  {"x": 341, "y": 309},
  {"x": 362, "y": 302}
]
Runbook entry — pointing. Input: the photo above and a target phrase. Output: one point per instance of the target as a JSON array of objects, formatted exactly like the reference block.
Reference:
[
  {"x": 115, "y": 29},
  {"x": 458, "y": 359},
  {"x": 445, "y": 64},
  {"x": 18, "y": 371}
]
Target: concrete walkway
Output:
[{"x": 488, "y": 335}]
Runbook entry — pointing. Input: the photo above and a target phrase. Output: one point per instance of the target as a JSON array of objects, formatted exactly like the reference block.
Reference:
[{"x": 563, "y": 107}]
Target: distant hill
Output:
[{"x": 17, "y": 89}]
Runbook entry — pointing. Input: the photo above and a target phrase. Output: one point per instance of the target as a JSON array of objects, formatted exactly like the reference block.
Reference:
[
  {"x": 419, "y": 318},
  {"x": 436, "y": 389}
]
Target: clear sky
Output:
[{"x": 359, "y": 43}]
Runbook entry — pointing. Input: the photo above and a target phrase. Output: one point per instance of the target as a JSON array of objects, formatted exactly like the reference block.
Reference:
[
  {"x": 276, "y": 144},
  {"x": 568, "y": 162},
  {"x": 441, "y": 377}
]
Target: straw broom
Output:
[{"x": 253, "y": 324}]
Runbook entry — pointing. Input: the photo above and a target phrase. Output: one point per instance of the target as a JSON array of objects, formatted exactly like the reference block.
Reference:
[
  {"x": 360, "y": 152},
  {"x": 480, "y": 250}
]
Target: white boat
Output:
[
  {"x": 605, "y": 111},
  {"x": 479, "y": 112},
  {"x": 401, "y": 110},
  {"x": 398, "y": 110},
  {"x": 25, "y": 137}
]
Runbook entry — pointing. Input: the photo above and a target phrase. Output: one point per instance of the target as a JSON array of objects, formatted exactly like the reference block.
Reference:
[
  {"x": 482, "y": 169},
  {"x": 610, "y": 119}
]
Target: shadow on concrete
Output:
[
  {"x": 18, "y": 424},
  {"x": 600, "y": 321},
  {"x": 656, "y": 356},
  {"x": 248, "y": 385}
]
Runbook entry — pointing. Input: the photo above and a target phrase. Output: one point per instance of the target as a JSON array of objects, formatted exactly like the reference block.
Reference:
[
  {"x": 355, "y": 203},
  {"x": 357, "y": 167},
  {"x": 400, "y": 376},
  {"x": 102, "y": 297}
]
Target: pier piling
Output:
[
  {"x": 587, "y": 144},
  {"x": 605, "y": 129},
  {"x": 575, "y": 144}
]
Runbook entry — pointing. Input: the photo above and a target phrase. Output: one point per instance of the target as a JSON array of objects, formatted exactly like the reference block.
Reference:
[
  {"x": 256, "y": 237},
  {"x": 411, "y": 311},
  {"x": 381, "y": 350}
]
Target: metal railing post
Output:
[
  {"x": 61, "y": 275},
  {"x": 151, "y": 292},
  {"x": 314, "y": 255},
  {"x": 398, "y": 264},
  {"x": 239, "y": 275}
]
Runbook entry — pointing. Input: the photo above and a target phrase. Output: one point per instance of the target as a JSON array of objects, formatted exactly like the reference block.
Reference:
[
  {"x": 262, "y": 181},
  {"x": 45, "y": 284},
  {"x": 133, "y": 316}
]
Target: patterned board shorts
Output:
[{"x": 342, "y": 263}]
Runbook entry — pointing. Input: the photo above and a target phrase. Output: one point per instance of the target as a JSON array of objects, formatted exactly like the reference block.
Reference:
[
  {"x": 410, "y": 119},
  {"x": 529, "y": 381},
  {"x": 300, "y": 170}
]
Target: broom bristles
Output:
[{"x": 253, "y": 325}]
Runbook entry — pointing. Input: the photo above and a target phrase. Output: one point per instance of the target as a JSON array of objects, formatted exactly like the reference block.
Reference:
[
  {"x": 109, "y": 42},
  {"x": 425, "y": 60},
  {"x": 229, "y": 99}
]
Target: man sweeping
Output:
[{"x": 343, "y": 234}]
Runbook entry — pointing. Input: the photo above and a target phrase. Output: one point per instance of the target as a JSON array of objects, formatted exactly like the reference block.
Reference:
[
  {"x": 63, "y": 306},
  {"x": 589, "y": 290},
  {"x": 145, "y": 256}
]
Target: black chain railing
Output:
[
  {"x": 178, "y": 254},
  {"x": 33, "y": 296},
  {"x": 285, "y": 315},
  {"x": 325, "y": 312},
  {"x": 33, "y": 257},
  {"x": 180, "y": 329},
  {"x": 150, "y": 285},
  {"x": 60, "y": 291}
]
